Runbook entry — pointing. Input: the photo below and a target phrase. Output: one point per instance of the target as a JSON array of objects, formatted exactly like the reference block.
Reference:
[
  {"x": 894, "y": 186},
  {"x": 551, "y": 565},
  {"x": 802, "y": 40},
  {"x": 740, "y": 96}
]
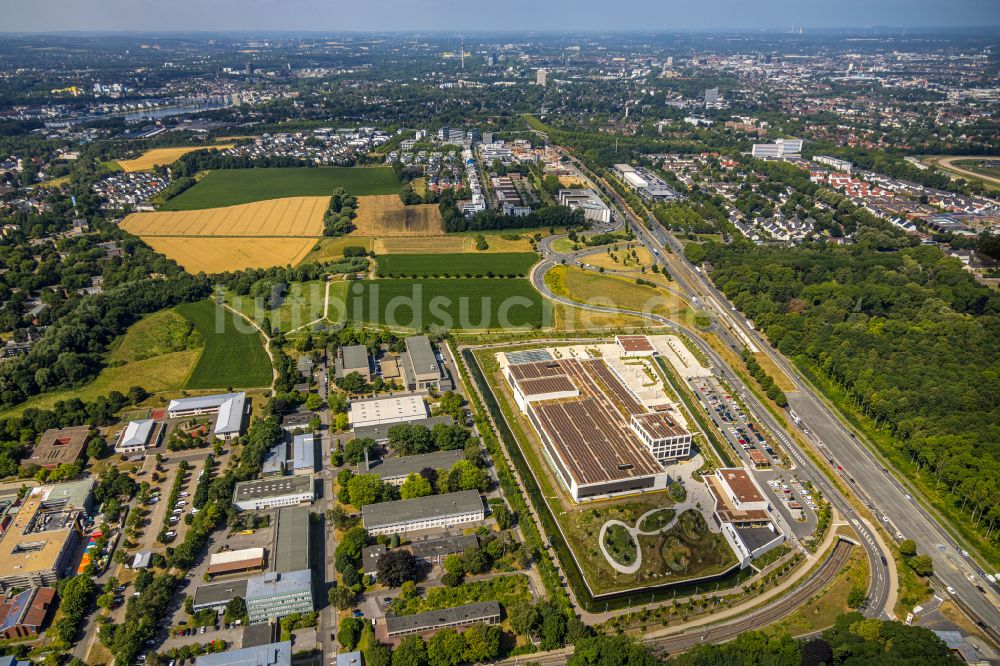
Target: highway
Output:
[{"x": 867, "y": 476}]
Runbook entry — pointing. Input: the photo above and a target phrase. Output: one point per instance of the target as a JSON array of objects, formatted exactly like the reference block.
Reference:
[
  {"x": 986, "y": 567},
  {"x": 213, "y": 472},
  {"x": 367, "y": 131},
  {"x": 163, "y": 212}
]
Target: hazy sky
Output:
[{"x": 331, "y": 15}]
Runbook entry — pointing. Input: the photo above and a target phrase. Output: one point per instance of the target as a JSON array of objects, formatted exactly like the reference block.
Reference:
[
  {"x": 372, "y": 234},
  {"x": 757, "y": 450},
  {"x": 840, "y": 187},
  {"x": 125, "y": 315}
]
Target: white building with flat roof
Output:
[{"x": 395, "y": 409}]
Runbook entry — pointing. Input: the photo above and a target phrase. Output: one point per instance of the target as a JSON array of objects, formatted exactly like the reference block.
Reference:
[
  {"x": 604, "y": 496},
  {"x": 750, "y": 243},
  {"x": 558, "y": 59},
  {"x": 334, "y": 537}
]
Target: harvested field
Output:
[
  {"x": 571, "y": 181},
  {"x": 152, "y": 158},
  {"x": 291, "y": 216},
  {"x": 385, "y": 215},
  {"x": 216, "y": 255}
]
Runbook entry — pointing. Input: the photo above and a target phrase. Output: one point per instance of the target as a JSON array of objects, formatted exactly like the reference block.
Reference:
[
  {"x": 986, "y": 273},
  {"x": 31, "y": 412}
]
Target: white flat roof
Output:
[
  {"x": 387, "y": 410},
  {"x": 236, "y": 556}
]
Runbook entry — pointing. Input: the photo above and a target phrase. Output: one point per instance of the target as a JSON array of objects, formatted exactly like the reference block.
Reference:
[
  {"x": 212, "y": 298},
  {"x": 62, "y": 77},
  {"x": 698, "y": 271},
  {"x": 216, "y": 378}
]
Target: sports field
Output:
[
  {"x": 385, "y": 215},
  {"x": 234, "y": 353},
  {"x": 452, "y": 303},
  {"x": 216, "y": 255},
  {"x": 290, "y": 216},
  {"x": 152, "y": 158},
  {"x": 464, "y": 264},
  {"x": 230, "y": 187}
]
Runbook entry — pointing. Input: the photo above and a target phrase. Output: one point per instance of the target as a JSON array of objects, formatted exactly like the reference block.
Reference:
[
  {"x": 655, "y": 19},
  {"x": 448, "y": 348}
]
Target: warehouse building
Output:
[
  {"x": 391, "y": 410},
  {"x": 304, "y": 453},
  {"x": 231, "y": 562},
  {"x": 274, "y": 492},
  {"x": 423, "y": 513},
  {"x": 139, "y": 436},
  {"x": 273, "y": 654},
  {"x": 395, "y": 470},
  {"x": 215, "y": 596},
  {"x": 291, "y": 540},
  {"x": 487, "y": 612},
  {"x": 274, "y": 595},
  {"x": 230, "y": 410}
]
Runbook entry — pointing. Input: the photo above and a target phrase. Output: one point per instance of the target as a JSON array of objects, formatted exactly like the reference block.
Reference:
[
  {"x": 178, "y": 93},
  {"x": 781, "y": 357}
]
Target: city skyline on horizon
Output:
[{"x": 450, "y": 15}]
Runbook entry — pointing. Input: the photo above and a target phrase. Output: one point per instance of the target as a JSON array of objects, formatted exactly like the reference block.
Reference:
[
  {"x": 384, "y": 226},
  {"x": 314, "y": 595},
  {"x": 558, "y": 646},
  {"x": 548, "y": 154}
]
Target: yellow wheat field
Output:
[
  {"x": 291, "y": 216},
  {"x": 151, "y": 158},
  {"x": 216, "y": 255},
  {"x": 385, "y": 215}
]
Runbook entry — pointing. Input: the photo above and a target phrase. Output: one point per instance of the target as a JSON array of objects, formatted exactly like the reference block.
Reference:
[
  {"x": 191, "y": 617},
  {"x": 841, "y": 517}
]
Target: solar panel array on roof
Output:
[
  {"x": 15, "y": 610},
  {"x": 528, "y": 356}
]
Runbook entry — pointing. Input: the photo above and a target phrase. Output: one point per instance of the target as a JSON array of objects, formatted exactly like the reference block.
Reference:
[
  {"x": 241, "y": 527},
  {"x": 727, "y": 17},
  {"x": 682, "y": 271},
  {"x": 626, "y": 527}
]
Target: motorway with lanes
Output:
[{"x": 864, "y": 473}]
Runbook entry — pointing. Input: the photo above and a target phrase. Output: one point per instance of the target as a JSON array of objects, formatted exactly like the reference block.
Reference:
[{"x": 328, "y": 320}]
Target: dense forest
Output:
[{"x": 908, "y": 336}]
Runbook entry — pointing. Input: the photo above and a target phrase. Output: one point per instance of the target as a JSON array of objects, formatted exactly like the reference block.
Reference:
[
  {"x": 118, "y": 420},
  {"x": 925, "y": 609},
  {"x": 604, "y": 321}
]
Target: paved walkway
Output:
[{"x": 635, "y": 533}]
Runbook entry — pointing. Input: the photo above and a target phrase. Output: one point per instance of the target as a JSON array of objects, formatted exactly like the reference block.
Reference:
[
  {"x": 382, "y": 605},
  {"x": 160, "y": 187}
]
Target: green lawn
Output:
[
  {"x": 229, "y": 187},
  {"x": 467, "y": 264},
  {"x": 234, "y": 354},
  {"x": 457, "y": 303}
]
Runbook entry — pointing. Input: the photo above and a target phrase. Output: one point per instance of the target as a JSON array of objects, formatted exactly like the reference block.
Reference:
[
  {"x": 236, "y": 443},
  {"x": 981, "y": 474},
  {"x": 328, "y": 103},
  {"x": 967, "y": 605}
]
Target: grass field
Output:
[
  {"x": 451, "y": 244},
  {"x": 622, "y": 260},
  {"x": 290, "y": 216},
  {"x": 229, "y": 187},
  {"x": 779, "y": 377},
  {"x": 452, "y": 303},
  {"x": 152, "y": 158},
  {"x": 302, "y": 304},
  {"x": 385, "y": 215},
  {"x": 328, "y": 249},
  {"x": 162, "y": 332},
  {"x": 607, "y": 290},
  {"x": 233, "y": 356},
  {"x": 216, "y": 255},
  {"x": 467, "y": 264}
]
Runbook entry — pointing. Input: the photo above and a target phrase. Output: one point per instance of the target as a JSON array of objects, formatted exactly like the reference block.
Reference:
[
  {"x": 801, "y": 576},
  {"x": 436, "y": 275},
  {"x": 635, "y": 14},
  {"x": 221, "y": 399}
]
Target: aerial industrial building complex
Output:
[{"x": 597, "y": 435}]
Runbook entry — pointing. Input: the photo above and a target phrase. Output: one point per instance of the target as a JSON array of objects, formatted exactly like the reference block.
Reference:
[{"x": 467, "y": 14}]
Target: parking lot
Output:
[{"x": 754, "y": 447}]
